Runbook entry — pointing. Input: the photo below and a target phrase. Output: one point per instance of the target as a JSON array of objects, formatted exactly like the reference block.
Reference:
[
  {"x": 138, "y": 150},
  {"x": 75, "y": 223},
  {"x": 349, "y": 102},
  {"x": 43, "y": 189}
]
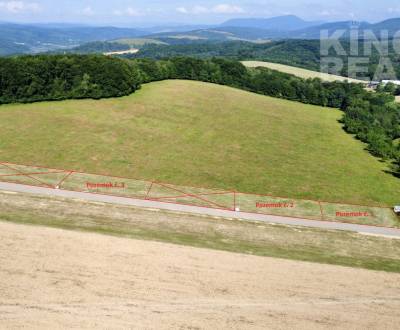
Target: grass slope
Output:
[
  {"x": 139, "y": 42},
  {"x": 200, "y": 134},
  {"x": 299, "y": 72},
  {"x": 297, "y": 243}
]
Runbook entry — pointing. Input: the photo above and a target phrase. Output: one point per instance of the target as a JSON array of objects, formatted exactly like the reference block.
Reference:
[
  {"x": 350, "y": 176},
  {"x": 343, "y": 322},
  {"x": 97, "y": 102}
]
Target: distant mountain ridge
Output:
[
  {"x": 283, "y": 27},
  {"x": 392, "y": 26},
  {"x": 280, "y": 23},
  {"x": 35, "y": 38}
]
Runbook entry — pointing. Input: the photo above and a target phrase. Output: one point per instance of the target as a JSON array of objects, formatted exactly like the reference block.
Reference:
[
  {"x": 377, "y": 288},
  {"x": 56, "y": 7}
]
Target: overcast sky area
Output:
[{"x": 150, "y": 12}]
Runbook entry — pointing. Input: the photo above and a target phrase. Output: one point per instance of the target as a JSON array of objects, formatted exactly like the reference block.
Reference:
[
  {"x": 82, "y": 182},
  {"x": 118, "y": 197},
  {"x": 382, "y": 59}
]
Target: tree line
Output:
[
  {"x": 299, "y": 53},
  {"x": 39, "y": 78},
  {"x": 373, "y": 117}
]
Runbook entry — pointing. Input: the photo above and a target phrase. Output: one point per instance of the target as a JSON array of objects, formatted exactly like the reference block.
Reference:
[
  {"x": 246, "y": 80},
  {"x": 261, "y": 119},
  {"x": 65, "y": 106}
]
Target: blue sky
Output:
[{"x": 138, "y": 12}]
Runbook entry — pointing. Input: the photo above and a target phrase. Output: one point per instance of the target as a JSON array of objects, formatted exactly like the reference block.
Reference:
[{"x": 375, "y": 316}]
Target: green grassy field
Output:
[
  {"x": 198, "y": 134},
  {"x": 299, "y": 72},
  {"x": 139, "y": 42},
  {"x": 230, "y": 200}
]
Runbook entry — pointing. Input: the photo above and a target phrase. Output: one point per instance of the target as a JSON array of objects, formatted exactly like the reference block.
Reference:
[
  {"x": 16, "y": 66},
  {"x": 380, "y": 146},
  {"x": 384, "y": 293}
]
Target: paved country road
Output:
[{"x": 392, "y": 232}]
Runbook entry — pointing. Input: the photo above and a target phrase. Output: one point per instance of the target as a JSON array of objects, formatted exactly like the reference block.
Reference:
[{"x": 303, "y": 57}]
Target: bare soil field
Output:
[{"x": 52, "y": 278}]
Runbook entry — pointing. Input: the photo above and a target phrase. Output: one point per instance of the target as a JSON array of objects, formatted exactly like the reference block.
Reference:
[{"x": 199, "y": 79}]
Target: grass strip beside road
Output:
[
  {"x": 211, "y": 198},
  {"x": 297, "y": 243}
]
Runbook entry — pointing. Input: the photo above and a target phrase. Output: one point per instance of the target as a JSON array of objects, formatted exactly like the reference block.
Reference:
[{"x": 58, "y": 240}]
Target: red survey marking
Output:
[
  {"x": 202, "y": 194},
  {"x": 107, "y": 185},
  {"x": 148, "y": 191},
  {"x": 188, "y": 195},
  {"x": 284, "y": 205},
  {"x": 183, "y": 194},
  {"x": 27, "y": 175},
  {"x": 35, "y": 173},
  {"x": 353, "y": 214},
  {"x": 65, "y": 178},
  {"x": 322, "y": 210}
]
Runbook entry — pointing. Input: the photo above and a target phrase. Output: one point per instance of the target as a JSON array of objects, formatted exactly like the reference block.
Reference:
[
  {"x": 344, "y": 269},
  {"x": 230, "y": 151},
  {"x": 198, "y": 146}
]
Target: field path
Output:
[{"x": 201, "y": 210}]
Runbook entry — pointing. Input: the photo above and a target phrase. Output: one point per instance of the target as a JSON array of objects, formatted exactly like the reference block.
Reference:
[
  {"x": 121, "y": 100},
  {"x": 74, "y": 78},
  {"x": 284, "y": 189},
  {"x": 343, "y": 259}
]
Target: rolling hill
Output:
[
  {"x": 17, "y": 38},
  {"x": 218, "y": 34},
  {"x": 138, "y": 42},
  {"x": 391, "y": 26},
  {"x": 250, "y": 29},
  {"x": 282, "y": 23},
  {"x": 110, "y": 47},
  {"x": 284, "y": 27},
  {"x": 200, "y": 134},
  {"x": 21, "y": 39}
]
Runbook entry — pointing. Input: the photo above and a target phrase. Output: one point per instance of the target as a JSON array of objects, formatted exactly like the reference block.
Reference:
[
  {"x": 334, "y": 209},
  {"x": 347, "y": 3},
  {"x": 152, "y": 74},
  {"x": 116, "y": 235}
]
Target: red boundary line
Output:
[
  {"x": 186, "y": 195},
  {"x": 161, "y": 199},
  {"x": 313, "y": 200},
  {"x": 148, "y": 191},
  {"x": 322, "y": 216},
  {"x": 27, "y": 175},
  {"x": 190, "y": 195},
  {"x": 242, "y": 193},
  {"x": 36, "y": 173},
  {"x": 322, "y": 212},
  {"x": 107, "y": 175},
  {"x": 65, "y": 178},
  {"x": 122, "y": 196},
  {"x": 222, "y": 209}
]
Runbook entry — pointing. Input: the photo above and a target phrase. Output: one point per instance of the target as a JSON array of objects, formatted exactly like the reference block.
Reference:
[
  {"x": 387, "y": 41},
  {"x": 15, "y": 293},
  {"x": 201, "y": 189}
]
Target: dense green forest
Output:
[
  {"x": 373, "y": 117},
  {"x": 303, "y": 53},
  {"x": 38, "y": 78},
  {"x": 300, "y": 53}
]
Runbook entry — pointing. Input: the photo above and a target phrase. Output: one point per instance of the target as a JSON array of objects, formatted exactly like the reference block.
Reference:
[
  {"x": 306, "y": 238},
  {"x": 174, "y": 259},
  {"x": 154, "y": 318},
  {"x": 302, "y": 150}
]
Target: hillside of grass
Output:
[
  {"x": 139, "y": 42},
  {"x": 193, "y": 133},
  {"x": 299, "y": 72}
]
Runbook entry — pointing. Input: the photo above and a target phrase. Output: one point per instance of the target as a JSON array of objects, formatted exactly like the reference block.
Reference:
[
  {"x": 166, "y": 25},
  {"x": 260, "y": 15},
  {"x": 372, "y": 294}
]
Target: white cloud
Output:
[
  {"x": 200, "y": 10},
  {"x": 182, "y": 10},
  {"x": 218, "y": 9},
  {"x": 227, "y": 9},
  {"x": 327, "y": 12},
  {"x": 394, "y": 10},
  {"x": 88, "y": 11},
  {"x": 16, "y": 7},
  {"x": 132, "y": 12},
  {"x": 128, "y": 12}
]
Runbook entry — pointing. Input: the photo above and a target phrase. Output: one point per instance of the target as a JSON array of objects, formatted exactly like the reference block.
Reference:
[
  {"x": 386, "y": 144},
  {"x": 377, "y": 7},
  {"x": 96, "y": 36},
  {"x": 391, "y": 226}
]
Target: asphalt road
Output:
[{"x": 392, "y": 232}]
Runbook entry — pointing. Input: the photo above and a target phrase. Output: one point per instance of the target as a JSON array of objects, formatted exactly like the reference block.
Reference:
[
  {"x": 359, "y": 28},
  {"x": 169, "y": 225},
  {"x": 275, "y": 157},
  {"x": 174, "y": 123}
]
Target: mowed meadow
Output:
[
  {"x": 299, "y": 72},
  {"x": 198, "y": 134}
]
